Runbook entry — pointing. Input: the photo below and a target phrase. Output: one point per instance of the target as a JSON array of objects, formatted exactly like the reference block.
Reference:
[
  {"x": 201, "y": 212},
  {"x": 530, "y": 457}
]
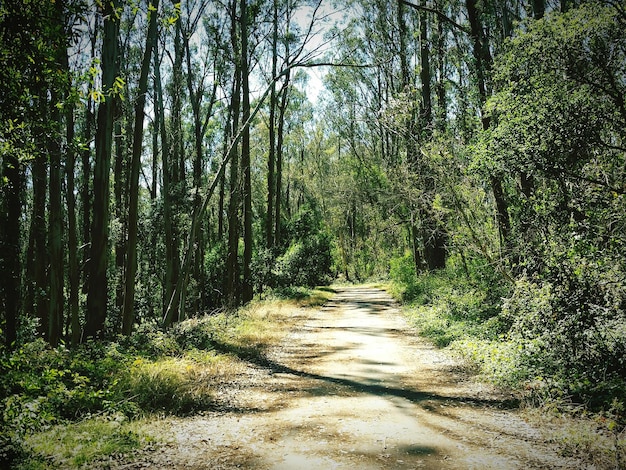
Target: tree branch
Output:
[{"x": 438, "y": 14}]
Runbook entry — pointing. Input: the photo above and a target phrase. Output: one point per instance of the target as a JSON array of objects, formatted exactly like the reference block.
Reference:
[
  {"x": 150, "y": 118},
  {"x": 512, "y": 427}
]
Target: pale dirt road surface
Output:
[{"x": 352, "y": 388}]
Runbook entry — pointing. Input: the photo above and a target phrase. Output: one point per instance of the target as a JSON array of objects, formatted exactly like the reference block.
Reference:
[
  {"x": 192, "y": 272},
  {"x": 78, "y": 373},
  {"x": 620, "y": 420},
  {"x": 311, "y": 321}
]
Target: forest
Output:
[{"x": 166, "y": 165}]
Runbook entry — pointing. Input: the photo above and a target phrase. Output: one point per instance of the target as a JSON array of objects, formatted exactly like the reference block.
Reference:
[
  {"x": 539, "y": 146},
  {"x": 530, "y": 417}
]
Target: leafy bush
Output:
[
  {"x": 582, "y": 334},
  {"x": 306, "y": 263},
  {"x": 307, "y": 260},
  {"x": 41, "y": 386}
]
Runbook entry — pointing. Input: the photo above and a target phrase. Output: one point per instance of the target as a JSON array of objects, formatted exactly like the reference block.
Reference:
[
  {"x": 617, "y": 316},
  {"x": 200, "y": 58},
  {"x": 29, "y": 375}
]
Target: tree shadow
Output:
[{"x": 414, "y": 396}]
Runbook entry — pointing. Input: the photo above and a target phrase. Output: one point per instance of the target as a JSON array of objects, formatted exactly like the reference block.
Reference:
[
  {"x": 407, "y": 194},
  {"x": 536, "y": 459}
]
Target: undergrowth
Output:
[
  {"x": 69, "y": 407},
  {"x": 521, "y": 338}
]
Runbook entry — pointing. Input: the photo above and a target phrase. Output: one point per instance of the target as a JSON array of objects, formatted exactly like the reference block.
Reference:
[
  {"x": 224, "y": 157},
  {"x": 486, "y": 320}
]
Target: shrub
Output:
[{"x": 306, "y": 263}]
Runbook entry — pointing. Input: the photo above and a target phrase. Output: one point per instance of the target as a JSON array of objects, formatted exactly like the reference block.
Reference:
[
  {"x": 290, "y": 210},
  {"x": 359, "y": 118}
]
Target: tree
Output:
[
  {"x": 482, "y": 63},
  {"x": 131, "y": 263},
  {"x": 98, "y": 279}
]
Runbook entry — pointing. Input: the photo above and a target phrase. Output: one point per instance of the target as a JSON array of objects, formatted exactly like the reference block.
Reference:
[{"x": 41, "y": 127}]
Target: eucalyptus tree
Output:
[
  {"x": 36, "y": 88},
  {"x": 558, "y": 115},
  {"x": 135, "y": 165},
  {"x": 98, "y": 280}
]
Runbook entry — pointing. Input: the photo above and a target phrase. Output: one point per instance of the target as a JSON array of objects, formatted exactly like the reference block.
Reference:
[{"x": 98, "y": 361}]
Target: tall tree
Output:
[
  {"x": 135, "y": 166},
  {"x": 271, "y": 158},
  {"x": 232, "y": 263},
  {"x": 247, "y": 291},
  {"x": 100, "y": 251}
]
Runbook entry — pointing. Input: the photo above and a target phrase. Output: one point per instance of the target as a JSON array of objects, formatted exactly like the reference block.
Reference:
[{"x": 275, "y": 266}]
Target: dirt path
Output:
[{"x": 351, "y": 389}]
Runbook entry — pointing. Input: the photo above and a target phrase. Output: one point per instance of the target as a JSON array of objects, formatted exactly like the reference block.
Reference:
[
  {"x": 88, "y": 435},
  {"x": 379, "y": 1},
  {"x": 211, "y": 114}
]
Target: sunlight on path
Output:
[{"x": 352, "y": 389}]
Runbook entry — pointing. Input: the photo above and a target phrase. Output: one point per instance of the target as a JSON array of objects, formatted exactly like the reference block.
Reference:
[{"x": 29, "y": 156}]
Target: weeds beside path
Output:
[{"x": 351, "y": 388}]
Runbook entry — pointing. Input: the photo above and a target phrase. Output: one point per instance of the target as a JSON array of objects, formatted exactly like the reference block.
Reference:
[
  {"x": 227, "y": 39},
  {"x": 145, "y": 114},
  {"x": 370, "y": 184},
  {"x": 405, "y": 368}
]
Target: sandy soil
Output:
[{"x": 351, "y": 388}]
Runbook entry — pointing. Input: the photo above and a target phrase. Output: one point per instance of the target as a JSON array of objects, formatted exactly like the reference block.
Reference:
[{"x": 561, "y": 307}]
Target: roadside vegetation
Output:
[
  {"x": 69, "y": 408},
  {"x": 500, "y": 333}
]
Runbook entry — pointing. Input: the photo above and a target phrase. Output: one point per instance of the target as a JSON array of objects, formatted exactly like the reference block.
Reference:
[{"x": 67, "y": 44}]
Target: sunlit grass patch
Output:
[
  {"x": 303, "y": 296},
  {"x": 80, "y": 445},
  {"x": 179, "y": 385}
]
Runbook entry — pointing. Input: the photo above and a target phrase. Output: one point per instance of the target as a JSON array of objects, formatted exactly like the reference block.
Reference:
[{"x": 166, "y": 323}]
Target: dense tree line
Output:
[
  {"x": 487, "y": 138},
  {"x": 162, "y": 159},
  {"x": 127, "y": 163}
]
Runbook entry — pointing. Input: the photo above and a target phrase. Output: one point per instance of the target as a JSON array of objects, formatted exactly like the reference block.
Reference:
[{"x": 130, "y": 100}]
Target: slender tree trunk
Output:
[
  {"x": 409, "y": 133},
  {"x": 98, "y": 280},
  {"x": 72, "y": 230},
  {"x": 85, "y": 193},
  {"x": 120, "y": 190},
  {"x": 442, "y": 115},
  {"x": 128, "y": 312},
  {"x": 40, "y": 255},
  {"x": 284, "y": 100},
  {"x": 85, "y": 190},
  {"x": 271, "y": 159},
  {"x": 247, "y": 291},
  {"x": 426, "y": 106},
  {"x": 434, "y": 233},
  {"x": 10, "y": 228},
  {"x": 175, "y": 164},
  {"x": 171, "y": 244},
  {"x": 222, "y": 183},
  {"x": 232, "y": 266},
  {"x": 55, "y": 235}
]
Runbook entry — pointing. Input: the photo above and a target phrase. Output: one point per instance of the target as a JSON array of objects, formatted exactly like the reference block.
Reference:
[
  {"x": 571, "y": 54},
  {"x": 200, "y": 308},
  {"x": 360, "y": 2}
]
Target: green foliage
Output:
[
  {"x": 95, "y": 392},
  {"x": 83, "y": 444},
  {"x": 308, "y": 259},
  {"x": 580, "y": 333},
  {"x": 446, "y": 307},
  {"x": 42, "y": 386},
  {"x": 214, "y": 268},
  {"x": 557, "y": 140}
]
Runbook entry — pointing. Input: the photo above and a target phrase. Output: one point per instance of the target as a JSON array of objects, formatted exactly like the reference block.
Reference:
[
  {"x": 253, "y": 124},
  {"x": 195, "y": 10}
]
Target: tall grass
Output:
[{"x": 66, "y": 408}]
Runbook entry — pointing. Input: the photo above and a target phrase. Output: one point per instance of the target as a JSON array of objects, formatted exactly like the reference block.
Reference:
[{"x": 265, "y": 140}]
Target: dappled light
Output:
[{"x": 312, "y": 233}]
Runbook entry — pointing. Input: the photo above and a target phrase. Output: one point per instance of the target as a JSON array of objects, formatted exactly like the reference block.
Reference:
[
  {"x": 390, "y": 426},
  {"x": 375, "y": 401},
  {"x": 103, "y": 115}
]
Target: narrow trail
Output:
[{"x": 352, "y": 389}]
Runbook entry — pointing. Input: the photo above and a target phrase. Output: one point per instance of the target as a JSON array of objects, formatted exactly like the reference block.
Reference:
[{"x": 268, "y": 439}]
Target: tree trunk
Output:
[
  {"x": 247, "y": 291},
  {"x": 539, "y": 8},
  {"x": 232, "y": 266},
  {"x": 72, "y": 230},
  {"x": 120, "y": 190},
  {"x": 172, "y": 259},
  {"x": 279, "y": 155},
  {"x": 98, "y": 282},
  {"x": 39, "y": 281},
  {"x": 271, "y": 159},
  {"x": 10, "y": 227},
  {"x": 482, "y": 59},
  {"x": 442, "y": 115},
  {"x": 55, "y": 235},
  {"x": 434, "y": 233},
  {"x": 128, "y": 311}
]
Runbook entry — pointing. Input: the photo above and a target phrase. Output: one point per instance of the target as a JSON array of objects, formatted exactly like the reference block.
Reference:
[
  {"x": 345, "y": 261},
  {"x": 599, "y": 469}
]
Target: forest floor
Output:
[{"x": 352, "y": 387}]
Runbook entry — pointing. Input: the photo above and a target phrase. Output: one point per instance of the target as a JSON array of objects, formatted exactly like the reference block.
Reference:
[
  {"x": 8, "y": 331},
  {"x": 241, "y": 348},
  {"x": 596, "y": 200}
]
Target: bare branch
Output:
[{"x": 438, "y": 14}]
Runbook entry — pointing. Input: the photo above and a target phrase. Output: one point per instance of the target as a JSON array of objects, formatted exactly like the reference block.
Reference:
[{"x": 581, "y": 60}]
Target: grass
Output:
[
  {"x": 150, "y": 374},
  {"x": 82, "y": 444}
]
